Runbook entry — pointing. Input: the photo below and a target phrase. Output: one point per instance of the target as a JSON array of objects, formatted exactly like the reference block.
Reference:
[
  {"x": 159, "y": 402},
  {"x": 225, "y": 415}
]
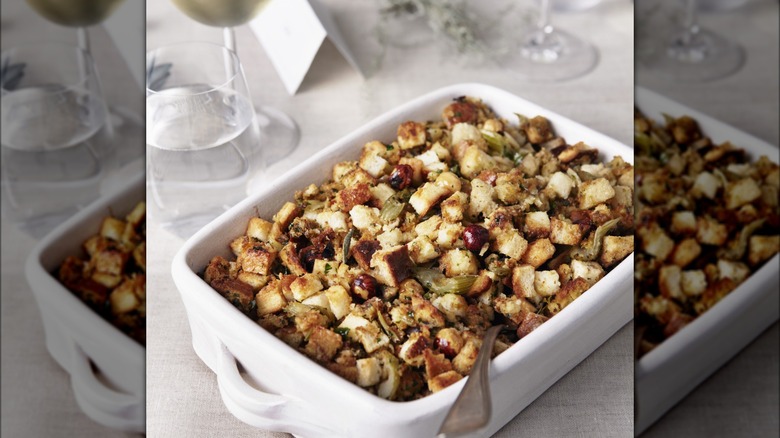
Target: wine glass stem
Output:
[
  {"x": 691, "y": 22},
  {"x": 229, "y": 35},
  {"x": 544, "y": 17},
  {"x": 82, "y": 35}
]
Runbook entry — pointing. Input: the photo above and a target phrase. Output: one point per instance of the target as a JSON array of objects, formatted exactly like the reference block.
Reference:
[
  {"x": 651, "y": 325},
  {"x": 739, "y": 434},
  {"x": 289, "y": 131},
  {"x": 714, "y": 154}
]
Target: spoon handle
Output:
[{"x": 472, "y": 408}]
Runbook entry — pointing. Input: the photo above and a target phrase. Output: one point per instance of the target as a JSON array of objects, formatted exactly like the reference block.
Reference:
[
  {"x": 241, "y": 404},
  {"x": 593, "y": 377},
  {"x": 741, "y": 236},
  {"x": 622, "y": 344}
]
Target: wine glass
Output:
[
  {"x": 693, "y": 54},
  {"x": 550, "y": 54},
  {"x": 278, "y": 130},
  {"x": 55, "y": 137},
  {"x": 123, "y": 124},
  {"x": 202, "y": 136}
]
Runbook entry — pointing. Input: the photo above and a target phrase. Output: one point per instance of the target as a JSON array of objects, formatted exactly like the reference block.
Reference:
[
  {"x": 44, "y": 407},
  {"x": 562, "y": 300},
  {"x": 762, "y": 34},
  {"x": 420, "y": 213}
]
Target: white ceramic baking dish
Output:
[
  {"x": 285, "y": 391},
  {"x": 106, "y": 367},
  {"x": 678, "y": 365}
]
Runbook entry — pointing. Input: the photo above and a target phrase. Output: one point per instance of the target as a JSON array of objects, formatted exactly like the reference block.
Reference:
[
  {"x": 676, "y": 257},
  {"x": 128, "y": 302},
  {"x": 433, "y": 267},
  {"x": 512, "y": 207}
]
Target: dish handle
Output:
[
  {"x": 100, "y": 402},
  {"x": 277, "y": 413}
]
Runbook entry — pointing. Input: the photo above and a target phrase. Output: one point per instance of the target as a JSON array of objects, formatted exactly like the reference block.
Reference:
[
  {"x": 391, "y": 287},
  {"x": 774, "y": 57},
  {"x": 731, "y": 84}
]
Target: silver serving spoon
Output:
[{"x": 472, "y": 409}]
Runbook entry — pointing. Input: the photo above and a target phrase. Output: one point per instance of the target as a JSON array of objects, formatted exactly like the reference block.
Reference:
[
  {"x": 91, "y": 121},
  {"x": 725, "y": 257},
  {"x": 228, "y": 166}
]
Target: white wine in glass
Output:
[
  {"x": 75, "y": 13},
  {"x": 279, "y": 132}
]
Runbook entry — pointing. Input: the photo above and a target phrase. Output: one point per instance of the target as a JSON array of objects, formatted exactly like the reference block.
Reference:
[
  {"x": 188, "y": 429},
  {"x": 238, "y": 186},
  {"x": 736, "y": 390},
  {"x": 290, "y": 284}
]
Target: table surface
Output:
[{"x": 594, "y": 399}]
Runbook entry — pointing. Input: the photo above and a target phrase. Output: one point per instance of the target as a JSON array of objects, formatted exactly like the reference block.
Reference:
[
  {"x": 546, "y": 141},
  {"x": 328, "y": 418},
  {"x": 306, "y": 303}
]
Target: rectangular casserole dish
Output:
[
  {"x": 113, "y": 392},
  {"x": 674, "y": 368},
  {"x": 291, "y": 393}
]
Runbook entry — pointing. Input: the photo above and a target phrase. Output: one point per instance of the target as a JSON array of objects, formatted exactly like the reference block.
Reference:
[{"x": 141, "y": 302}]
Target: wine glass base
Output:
[
  {"x": 706, "y": 57},
  {"x": 279, "y": 134},
  {"x": 552, "y": 56}
]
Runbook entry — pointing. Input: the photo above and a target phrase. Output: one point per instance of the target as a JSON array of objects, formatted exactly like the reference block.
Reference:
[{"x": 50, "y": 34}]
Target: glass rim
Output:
[
  {"x": 84, "y": 77},
  {"x": 212, "y": 87}
]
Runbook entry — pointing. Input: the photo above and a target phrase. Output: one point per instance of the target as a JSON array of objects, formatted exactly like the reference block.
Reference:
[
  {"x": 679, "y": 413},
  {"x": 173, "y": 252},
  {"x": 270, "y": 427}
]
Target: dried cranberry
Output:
[
  {"x": 475, "y": 237},
  {"x": 307, "y": 256},
  {"x": 364, "y": 287},
  {"x": 445, "y": 347},
  {"x": 401, "y": 177}
]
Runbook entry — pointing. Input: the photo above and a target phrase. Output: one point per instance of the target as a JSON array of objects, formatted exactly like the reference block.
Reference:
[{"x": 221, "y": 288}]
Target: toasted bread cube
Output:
[
  {"x": 255, "y": 280},
  {"x": 363, "y": 250},
  {"x": 459, "y": 262},
  {"x": 564, "y": 232},
  {"x": 369, "y": 371},
  {"x": 412, "y": 350},
  {"x": 523, "y": 279},
  {"x": 365, "y": 218},
  {"x": 474, "y": 161},
  {"x": 137, "y": 215},
  {"x": 538, "y": 252},
  {"x": 358, "y": 176},
  {"x": 448, "y": 235},
  {"x": 656, "y": 243},
  {"x": 452, "y": 306},
  {"x": 683, "y": 222},
  {"x": 741, "y": 192},
  {"x": 590, "y": 271},
  {"x": 110, "y": 261},
  {"x": 426, "y": 313},
  {"x": 429, "y": 228},
  {"x": 257, "y": 258},
  {"x": 685, "y": 252},
  {"x": 372, "y": 337},
  {"x": 94, "y": 244},
  {"x": 391, "y": 238},
  {"x": 537, "y": 224},
  {"x": 286, "y": 214},
  {"x": 237, "y": 292},
  {"x": 427, "y": 196},
  {"x": 258, "y": 228},
  {"x": 660, "y": 307},
  {"x": 339, "y": 300},
  {"x": 217, "y": 268},
  {"x": 305, "y": 286},
  {"x": 511, "y": 244},
  {"x": 443, "y": 380},
  {"x": 706, "y": 184},
  {"x": 289, "y": 257},
  {"x": 538, "y": 130},
  {"x": 123, "y": 299},
  {"x": 595, "y": 192},
  {"x": 710, "y": 231},
  {"x": 761, "y": 248},
  {"x": 465, "y": 131},
  {"x": 513, "y": 307},
  {"x": 270, "y": 299},
  {"x": 431, "y": 162},
  {"x": 373, "y": 164},
  {"x": 112, "y": 228},
  {"x": 392, "y": 266},
  {"x": 736, "y": 271},
  {"x": 615, "y": 249},
  {"x": 449, "y": 341},
  {"x": 411, "y": 134},
  {"x": 693, "y": 283},
  {"x": 381, "y": 193},
  {"x": 422, "y": 250},
  {"x": 342, "y": 169},
  {"x": 325, "y": 268},
  {"x": 449, "y": 181},
  {"x": 465, "y": 359},
  {"x": 669, "y": 281},
  {"x": 481, "y": 198},
  {"x": 452, "y": 208},
  {"x": 318, "y": 300},
  {"x": 323, "y": 344},
  {"x": 108, "y": 280},
  {"x": 561, "y": 184},
  {"x": 352, "y": 196},
  {"x": 332, "y": 219},
  {"x": 139, "y": 255},
  {"x": 435, "y": 363},
  {"x": 530, "y": 165},
  {"x": 547, "y": 283}
]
